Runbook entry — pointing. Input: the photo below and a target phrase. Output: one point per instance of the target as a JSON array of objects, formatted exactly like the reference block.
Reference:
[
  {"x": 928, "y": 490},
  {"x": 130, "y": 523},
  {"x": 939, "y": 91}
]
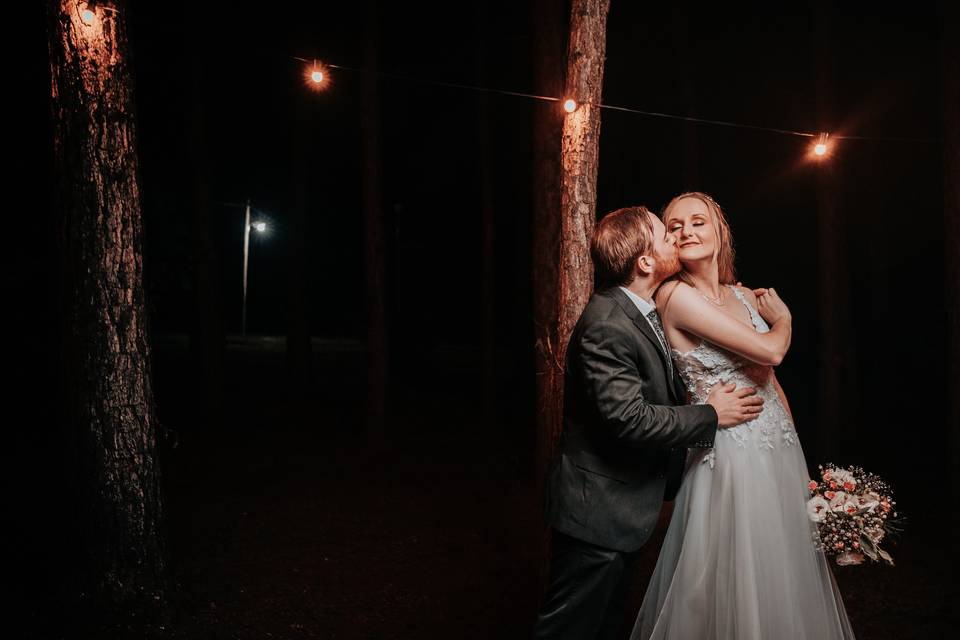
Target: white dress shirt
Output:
[{"x": 645, "y": 306}]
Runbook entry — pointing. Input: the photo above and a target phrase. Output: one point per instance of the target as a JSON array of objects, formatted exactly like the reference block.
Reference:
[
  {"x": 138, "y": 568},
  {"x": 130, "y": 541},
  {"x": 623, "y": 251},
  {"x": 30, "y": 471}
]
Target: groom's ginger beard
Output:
[{"x": 667, "y": 266}]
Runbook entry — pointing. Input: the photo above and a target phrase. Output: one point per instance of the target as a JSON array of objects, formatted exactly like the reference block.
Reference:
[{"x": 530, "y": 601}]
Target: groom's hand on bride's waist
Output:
[{"x": 734, "y": 406}]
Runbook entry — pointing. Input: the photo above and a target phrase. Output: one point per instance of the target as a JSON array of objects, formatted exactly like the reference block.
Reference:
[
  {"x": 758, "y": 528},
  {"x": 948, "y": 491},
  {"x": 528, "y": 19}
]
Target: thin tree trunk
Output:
[
  {"x": 378, "y": 343},
  {"x": 108, "y": 396}
]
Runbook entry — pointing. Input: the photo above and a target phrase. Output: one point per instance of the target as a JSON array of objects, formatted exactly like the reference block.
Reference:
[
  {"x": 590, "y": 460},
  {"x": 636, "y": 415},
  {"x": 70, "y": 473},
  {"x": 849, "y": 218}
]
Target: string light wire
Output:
[{"x": 654, "y": 114}]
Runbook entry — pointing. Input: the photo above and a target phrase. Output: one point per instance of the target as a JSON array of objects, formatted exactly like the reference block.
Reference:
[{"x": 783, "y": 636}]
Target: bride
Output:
[{"x": 739, "y": 560}]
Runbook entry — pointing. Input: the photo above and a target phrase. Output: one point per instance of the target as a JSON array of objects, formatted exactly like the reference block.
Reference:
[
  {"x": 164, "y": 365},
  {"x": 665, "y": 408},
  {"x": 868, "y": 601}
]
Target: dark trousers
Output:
[{"x": 587, "y": 596}]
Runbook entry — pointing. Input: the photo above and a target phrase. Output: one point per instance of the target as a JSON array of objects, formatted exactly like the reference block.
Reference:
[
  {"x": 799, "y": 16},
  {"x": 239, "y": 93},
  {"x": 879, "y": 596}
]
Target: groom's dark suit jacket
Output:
[{"x": 622, "y": 417}]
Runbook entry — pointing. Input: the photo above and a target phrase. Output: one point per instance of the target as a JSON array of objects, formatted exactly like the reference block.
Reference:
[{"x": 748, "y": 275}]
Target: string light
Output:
[
  {"x": 260, "y": 226},
  {"x": 821, "y": 147},
  {"x": 317, "y": 76}
]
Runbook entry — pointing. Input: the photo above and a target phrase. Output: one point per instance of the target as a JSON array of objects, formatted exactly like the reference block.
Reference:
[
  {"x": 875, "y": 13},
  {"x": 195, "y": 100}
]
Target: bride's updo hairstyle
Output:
[
  {"x": 725, "y": 251},
  {"x": 618, "y": 240}
]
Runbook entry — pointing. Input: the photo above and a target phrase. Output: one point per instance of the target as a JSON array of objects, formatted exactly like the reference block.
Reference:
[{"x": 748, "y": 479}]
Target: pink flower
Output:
[
  {"x": 830, "y": 495},
  {"x": 812, "y": 485},
  {"x": 849, "y": 486},
  {"x": 833, "y": 485},
  {"x": 849, "y": 558}
]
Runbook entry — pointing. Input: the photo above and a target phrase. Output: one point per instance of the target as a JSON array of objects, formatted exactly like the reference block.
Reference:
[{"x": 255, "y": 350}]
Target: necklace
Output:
[{"x": 717, "y": 302}]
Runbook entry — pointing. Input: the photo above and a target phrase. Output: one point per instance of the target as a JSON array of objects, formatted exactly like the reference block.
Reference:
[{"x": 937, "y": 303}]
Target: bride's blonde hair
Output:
[{"x": 725, "y": 252}]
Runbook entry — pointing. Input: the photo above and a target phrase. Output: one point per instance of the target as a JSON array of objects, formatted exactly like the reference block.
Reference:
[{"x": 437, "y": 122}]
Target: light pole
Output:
[{"x": 259, "y": 226}]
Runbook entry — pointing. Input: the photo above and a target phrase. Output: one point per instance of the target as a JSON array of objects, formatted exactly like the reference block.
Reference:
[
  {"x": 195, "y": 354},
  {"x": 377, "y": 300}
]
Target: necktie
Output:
[{"x": 654, "y": 318}]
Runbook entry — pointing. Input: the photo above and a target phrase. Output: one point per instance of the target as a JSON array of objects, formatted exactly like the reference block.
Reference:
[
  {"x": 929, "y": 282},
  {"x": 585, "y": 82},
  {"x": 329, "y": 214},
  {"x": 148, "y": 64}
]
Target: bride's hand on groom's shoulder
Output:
[
  {"x": 756, "y": 292},
  {"x": 771, "y": 307}
]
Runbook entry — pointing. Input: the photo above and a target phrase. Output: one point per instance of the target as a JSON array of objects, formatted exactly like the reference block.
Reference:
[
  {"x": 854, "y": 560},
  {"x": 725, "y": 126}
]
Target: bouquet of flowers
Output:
[{"x": 853, "y": 511}]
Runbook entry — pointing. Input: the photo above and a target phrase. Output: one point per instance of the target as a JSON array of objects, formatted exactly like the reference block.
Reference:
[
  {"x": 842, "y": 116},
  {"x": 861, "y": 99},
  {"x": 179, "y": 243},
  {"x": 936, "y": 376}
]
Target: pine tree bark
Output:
[
  {"x": 579, "y": 156},
  {"x": 374, "y": 260},
  {"x": 108, "y": 396}
]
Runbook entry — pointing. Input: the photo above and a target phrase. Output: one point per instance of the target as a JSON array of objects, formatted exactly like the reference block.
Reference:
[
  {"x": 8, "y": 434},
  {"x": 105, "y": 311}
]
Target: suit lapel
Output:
[{"x": 643, "y": 325}]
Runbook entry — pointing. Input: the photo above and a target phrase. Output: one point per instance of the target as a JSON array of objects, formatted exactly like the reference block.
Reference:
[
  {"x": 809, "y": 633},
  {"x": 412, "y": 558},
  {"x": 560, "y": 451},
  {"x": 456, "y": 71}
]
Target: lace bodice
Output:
[{"x": 707, "y": 365}]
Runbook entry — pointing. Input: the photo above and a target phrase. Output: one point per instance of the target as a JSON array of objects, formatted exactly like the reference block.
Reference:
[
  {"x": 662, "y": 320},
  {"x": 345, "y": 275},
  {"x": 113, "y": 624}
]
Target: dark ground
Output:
[{"x": 288, "y": 528}]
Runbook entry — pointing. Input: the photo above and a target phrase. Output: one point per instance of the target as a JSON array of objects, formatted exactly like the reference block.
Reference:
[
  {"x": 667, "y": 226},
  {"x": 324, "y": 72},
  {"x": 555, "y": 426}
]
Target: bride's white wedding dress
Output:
[{"x": 739, "y": 560}]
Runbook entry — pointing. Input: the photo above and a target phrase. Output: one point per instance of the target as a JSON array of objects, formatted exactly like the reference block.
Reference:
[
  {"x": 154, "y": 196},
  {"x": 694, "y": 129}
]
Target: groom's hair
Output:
[{"x": 618, "y": 240}]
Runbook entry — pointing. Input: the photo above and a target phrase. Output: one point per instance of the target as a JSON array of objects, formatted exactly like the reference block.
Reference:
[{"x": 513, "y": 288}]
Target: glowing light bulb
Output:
[
  {"x": 88, "y": 16},
  {"x": 317, "y": 76},
  {"x": 570, "y": 105},
  {"x": 260, "y": 226},
  {"x": 821, "y": 147}
]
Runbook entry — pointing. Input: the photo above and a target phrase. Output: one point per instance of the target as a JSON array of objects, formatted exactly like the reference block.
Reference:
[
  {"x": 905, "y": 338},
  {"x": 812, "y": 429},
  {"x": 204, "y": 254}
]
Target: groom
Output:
[{"x": 625, "y": 427}]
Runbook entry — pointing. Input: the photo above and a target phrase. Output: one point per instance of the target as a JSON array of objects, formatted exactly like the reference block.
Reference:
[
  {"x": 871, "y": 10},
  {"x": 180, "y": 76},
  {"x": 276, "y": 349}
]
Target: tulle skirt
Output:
[{"x": 739, "y": 559}]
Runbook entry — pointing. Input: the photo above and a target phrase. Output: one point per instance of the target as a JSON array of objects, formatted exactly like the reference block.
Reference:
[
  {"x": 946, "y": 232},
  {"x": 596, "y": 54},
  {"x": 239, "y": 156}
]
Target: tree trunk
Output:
[
  {"x": 108, "y": 397},
  {"x": 579, "y": 155},
  {"x": 378, "y": 342},
  {"x": 575, "y": 217},
  {"x": 950, "y": 28}
]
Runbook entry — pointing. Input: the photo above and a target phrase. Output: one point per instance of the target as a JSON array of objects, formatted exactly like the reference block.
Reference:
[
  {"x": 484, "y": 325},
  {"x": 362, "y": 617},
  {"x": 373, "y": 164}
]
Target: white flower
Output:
[
  {"x": 817, "y": 508},
  {"x": 842, "y": 477},
  {"x": 851, "y": 507},
  {"x": 869, "y": 501},
  {"x": 838, "y": 501}
]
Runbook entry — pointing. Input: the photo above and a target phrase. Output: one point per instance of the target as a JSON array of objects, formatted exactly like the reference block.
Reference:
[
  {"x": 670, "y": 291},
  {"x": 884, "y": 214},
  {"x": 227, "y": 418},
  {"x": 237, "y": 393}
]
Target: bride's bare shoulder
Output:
[{"x": 674, "y": 289}]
